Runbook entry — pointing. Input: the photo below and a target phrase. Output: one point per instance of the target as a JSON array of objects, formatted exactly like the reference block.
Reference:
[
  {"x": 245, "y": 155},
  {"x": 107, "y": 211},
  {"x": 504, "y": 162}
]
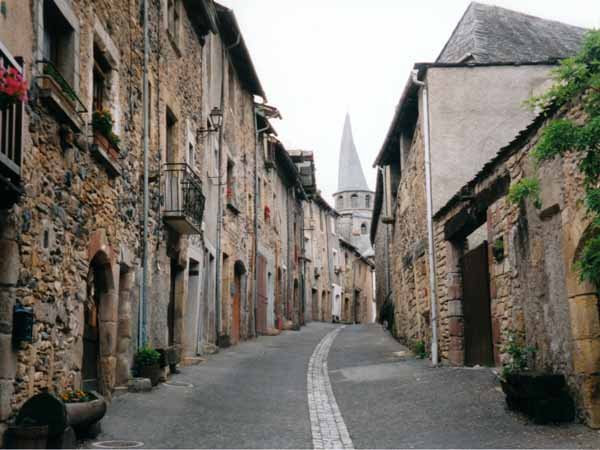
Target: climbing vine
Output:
[{"x": 577, "y": 79}]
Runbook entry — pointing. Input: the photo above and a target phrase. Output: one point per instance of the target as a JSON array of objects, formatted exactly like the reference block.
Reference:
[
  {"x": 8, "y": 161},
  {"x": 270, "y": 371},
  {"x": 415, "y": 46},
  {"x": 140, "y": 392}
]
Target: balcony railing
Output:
[
  {"x": 11, "y": 139},
  {"x": 60, "y": 96},
  {"x": 183, "y": 198}
]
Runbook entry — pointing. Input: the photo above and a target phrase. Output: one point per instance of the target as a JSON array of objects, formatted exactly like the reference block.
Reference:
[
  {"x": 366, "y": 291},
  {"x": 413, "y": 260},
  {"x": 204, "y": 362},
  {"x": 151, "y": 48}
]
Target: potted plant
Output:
[
  {"x": 147, "y": 364},
  {"x": 84, "y": 410},
  {"x": 13, "y": 87},
  {"x": 104, "y": 136},
  {"x": 541, "y": 395}
]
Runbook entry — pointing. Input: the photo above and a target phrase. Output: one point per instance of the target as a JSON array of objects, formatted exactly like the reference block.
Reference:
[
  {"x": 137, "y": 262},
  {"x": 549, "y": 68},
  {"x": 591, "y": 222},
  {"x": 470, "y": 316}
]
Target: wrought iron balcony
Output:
[
  {"x": 183, "y": 198},
  {"x": 11, "y": 141}
]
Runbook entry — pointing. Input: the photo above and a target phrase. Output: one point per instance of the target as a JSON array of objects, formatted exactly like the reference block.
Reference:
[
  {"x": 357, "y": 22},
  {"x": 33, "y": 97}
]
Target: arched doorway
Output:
[
  {"x": 239, "y": 271},
  {"x": 99, "y": 330}
]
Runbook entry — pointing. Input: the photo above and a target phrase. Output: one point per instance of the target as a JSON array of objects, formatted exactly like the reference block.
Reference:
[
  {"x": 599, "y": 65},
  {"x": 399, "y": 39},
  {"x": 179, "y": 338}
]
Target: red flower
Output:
[{"x": 13, "y": 87}]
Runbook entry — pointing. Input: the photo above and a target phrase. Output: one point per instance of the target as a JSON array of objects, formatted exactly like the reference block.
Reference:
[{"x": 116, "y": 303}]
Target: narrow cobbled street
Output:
[{"x": 259, "y": 395}]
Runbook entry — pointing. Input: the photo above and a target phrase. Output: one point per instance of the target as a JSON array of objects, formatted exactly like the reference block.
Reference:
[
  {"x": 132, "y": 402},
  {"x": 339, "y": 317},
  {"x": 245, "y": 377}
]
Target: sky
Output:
[{"x": 318, "y": 59}]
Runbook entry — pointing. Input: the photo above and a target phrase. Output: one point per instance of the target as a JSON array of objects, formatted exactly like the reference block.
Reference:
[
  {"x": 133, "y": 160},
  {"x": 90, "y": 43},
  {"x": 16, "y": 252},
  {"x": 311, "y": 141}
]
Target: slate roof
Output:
[
  {"x": 488, "y": 33},
  {"x": 350, "y": 173}
]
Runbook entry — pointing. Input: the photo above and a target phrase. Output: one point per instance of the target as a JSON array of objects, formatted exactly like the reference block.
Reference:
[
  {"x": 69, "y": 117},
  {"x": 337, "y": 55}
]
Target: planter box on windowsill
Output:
[
  {"x": 106, "y": 153},
  {"x": 64, "y": 107}
]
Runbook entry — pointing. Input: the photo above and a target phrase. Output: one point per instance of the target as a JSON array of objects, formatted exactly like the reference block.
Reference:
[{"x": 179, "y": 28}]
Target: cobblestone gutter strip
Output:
[{"x": 327, "y": 425}]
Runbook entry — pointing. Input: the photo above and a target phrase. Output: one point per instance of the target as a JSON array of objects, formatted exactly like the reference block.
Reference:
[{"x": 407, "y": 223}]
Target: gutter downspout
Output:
[
  {"x": 256, "y": 205},
  {"x": 386, "y": 253},
  {"x": 303, "y": 272},
  {"x": 431, "y": 249},
  {"x": 144, "y": 286},
  {"x": 329, "y": 269},
  {"x": 219, "y": 257}
]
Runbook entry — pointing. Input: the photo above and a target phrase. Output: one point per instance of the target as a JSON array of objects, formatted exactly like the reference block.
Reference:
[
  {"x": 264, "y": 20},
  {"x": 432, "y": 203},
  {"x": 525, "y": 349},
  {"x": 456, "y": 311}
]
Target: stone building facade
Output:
[
  {"x": 71, "y": 241},
  {"x": 358, "y": 302},
  {"x": 534, "y": 293},
  {"x": 473, "y": 107}
]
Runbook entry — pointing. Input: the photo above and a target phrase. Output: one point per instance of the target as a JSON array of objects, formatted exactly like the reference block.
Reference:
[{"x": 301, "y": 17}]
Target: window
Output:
[
  {"x": 173, "y": 20},
  {"x": 354, "y": 201},
  {"x": 320, "y": 220},
  {"x": 171, "y": 137},
  {"x": 340, "y": 202},
  {"x": 191, "y": 156},
  {"x": 363, "y": 228},
  {"x": 59, "y": 42},
  {"x": 230, "y": 180},
  {"x": 332, "y": 225},
  {"x": 231, "y": 88},
  {"x": 99, "y": 86},
  {"x": 368, "y": 201}
]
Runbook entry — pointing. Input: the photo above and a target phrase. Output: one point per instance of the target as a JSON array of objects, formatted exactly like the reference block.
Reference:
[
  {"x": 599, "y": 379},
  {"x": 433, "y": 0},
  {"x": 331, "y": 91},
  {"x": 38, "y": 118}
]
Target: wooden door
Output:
[
  {"x": 235, "y": 313},
  {"x": 91, "y": 347},
  {"x": 262, "y": 299},
  {"x": 476, "y": 307},
  {"x": 91, "y": 332}
]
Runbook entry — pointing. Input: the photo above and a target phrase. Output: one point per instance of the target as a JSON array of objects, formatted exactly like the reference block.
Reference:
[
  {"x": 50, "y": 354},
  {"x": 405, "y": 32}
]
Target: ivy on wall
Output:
[{"x": 577, "y": 79}]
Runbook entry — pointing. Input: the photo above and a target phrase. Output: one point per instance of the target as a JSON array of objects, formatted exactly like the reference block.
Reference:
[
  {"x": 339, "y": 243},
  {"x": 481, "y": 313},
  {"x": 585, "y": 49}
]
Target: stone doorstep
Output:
[{"x": 192, "y": 361}]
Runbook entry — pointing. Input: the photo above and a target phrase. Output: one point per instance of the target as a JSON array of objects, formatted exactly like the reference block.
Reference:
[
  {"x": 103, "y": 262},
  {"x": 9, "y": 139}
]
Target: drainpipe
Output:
[
  {"x": 386, "y": 243},
  {"x": 144, "y": 286},
  {"x": 256, "y": 205},
  {"x": 303, "y": 271},
  {"x": 219, "y": 258},
  {"x": 431, "y": 249}
]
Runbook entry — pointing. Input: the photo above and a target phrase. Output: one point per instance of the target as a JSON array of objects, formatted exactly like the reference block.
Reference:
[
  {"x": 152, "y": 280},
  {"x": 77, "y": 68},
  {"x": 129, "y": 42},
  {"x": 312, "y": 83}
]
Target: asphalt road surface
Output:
[{"x": 327, "y": 386}]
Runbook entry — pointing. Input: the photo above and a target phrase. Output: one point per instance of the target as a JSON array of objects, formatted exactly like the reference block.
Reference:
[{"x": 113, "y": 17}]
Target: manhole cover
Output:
[
  {"x": 178, "y": 384},
  {"x": 118, "y": 444}
]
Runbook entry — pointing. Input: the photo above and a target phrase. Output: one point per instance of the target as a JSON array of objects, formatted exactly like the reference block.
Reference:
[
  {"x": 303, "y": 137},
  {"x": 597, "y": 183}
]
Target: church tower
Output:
[{"x": 353, "y": 199}]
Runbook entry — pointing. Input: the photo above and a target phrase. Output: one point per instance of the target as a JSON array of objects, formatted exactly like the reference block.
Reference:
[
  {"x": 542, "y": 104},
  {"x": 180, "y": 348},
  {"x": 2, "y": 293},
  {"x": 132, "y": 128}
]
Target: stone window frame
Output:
[
  {"x": 340, "y": 202},
  {"x": 102, "y": 42},
  {"x": 368, "y": 201},
  {"x": 354, "y": 201},
  {"x": 66, "y": 12},
  {"x": 332, "y": 225},
  {"x": 190, "y": 146},
  {"x": 364, "y": 228},
  {"x": 173, "y": 20}
]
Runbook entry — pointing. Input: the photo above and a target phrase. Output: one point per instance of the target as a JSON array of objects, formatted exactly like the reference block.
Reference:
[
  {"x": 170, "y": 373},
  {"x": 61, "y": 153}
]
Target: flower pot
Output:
[
  {"x": 106, "y": 145},
  {"x": 84, "y": 414},
  {"x": 541, "y": 396},
  {"x": 152, "y": 372}
]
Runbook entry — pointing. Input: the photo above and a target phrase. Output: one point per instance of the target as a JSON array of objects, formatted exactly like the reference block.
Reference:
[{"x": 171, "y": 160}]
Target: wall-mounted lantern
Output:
[
  {"x": 22, "y": 324},
  {"x": 215, "y": 121}
]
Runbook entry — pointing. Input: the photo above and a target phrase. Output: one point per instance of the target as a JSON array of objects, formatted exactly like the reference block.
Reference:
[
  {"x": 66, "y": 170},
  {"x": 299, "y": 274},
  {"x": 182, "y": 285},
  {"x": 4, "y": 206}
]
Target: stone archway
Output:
[
  {"x": 239, "y": 272},
  {"x": 101, "y": 315}
]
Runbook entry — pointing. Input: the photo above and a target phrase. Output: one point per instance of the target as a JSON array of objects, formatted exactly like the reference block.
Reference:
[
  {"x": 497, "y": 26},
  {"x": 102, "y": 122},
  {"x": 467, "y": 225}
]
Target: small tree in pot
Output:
[{"x": 147, "y": 364}]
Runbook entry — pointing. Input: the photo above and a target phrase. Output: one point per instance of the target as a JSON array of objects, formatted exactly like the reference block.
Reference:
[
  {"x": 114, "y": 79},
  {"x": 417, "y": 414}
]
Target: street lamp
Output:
[{"x": 215, "y": 121}]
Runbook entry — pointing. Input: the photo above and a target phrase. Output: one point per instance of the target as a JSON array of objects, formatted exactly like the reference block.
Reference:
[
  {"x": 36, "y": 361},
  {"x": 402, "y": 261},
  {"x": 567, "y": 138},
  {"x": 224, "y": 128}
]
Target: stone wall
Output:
[
  {"x": 409, "y": 258},
  {"x": 535, "y": 292}
]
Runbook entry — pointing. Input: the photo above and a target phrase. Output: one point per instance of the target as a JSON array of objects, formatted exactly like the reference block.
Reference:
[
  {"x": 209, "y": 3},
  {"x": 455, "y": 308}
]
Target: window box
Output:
[
  {"x": 106, "y": 153},
  {"x": 63, "y": 103}
]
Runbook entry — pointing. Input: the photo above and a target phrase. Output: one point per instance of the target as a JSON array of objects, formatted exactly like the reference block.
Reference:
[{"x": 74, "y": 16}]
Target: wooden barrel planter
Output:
[{"x": 84, "y": 416}]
